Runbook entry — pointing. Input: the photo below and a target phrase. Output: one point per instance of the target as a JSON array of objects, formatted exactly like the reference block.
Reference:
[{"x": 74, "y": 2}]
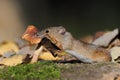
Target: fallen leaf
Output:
[
  {"x": 31, "y": 36},
  {"x": 12, "y": 61},
  {"x": 115, "y": 54},
  {"x": 106, "y": 38},
  {"x": 49, "y": 46},
  {"x": 8, "y": 46},
  {"x": 46, "y": 55},
  {"x": 54, "y": 41}
]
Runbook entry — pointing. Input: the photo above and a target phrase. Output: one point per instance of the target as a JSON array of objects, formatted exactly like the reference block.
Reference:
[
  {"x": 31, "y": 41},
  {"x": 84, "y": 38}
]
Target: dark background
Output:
[{"x": 80, "y": 17}]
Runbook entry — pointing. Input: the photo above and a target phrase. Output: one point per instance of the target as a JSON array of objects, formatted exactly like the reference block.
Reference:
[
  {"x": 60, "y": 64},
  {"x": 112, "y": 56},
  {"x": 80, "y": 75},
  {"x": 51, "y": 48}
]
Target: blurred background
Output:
[{"x": 80, "y": 17}]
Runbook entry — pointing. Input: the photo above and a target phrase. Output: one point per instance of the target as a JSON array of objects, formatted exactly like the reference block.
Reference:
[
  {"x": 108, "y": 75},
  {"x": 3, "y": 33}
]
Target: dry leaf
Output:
[
  {"x": 115, "y": 54},
  {"x": 8, "y": 46},
  {"x": 55, "y": 50},
  {"x": 106, "y": 38},
  {"x": 12, "y": 61},
  {"x": 46, "y": 55},
  {"x": 54, "y": 41},
  {"x": 30, "y": 35}
]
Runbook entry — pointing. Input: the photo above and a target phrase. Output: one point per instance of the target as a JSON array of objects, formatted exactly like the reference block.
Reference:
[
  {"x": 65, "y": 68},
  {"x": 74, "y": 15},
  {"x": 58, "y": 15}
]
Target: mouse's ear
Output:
[{"x": 61, "y": 30}]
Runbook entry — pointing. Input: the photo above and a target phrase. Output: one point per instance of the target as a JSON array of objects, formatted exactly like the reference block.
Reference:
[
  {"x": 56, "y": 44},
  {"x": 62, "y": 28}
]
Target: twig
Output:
[{"x": 36, "y": 54}]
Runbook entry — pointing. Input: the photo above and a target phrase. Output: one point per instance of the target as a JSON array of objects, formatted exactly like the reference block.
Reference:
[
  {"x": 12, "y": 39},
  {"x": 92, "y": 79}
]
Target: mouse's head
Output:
[{"x": 58, "y": 34}]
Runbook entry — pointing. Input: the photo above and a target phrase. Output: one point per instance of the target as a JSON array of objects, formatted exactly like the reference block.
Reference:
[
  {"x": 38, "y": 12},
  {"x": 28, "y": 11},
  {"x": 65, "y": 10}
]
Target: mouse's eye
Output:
[{"x": 47, "y": 31}]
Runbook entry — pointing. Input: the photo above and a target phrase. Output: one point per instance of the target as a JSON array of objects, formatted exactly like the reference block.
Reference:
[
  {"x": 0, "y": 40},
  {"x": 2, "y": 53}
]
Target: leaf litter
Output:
[{"x": 47, "y": 48}]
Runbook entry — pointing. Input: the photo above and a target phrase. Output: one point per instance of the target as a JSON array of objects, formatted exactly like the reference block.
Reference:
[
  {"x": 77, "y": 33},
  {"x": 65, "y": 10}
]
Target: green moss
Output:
[{"x": 38, "y": 71}]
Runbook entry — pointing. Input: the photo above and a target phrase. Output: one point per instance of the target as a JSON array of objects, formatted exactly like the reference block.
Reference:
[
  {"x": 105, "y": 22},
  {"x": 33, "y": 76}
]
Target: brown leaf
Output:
[
  {"x": 49, "y": 46},
  {"x": 54, "y": 41},
  {"x": 30, "y": 35}
]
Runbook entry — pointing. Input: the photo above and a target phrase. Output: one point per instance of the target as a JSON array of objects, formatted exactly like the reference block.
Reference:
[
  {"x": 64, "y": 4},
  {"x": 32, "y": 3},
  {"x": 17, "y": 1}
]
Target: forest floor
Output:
[{"x": 95, "y": 71}]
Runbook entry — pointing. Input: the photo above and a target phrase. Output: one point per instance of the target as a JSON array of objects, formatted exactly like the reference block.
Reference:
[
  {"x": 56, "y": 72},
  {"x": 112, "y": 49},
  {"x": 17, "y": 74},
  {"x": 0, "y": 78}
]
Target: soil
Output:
[{"x": 94, "y": 71}]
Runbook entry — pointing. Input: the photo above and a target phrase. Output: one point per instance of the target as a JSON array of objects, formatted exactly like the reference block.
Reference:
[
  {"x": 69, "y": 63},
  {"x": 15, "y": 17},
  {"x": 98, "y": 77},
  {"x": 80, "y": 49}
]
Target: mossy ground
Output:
[
  {"x": 48, "y": 70},
  {"x": 38, "y": 71}
]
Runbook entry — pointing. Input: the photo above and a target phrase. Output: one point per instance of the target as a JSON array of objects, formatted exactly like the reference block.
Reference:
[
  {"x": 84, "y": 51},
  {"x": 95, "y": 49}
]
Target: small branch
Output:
[{"x": 36, "y": 54}]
